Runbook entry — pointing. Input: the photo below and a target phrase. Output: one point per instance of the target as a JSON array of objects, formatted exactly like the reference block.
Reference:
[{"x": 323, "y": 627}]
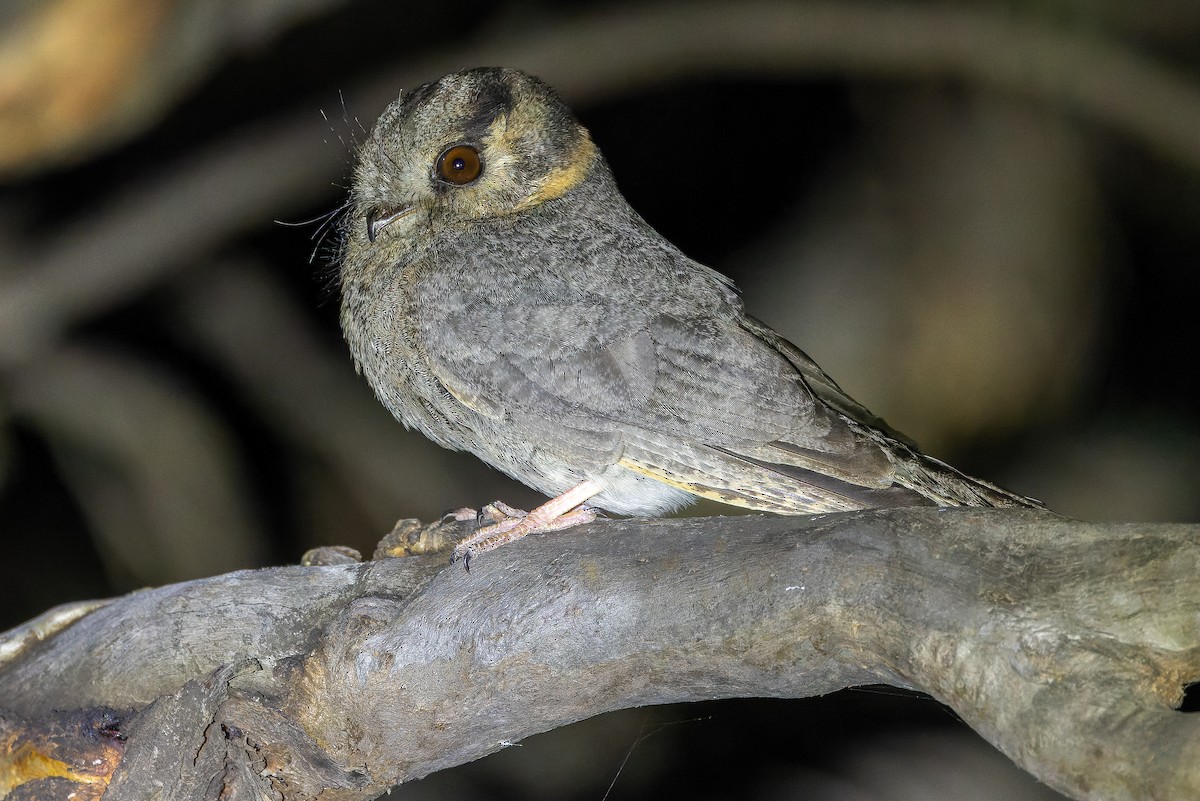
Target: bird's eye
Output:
[{"x": 459, "y": 165}]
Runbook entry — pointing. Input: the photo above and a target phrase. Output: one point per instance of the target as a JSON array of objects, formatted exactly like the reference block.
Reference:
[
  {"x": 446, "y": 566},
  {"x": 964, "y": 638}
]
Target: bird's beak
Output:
[{"x": 378, "y": 219}]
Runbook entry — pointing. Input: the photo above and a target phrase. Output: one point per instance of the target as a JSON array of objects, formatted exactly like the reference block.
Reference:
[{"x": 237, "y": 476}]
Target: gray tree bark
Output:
[{"x": 1068, "y": 645}]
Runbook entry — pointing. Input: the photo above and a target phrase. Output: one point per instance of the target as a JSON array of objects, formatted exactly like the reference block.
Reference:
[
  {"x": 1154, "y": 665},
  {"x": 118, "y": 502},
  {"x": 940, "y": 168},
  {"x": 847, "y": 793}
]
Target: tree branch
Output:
[{"x": 1068, "y": 645}]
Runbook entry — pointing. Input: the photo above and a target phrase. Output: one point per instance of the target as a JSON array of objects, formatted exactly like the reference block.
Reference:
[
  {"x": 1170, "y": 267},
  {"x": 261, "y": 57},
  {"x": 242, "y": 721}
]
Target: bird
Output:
[{"x": 501, "y": 296}]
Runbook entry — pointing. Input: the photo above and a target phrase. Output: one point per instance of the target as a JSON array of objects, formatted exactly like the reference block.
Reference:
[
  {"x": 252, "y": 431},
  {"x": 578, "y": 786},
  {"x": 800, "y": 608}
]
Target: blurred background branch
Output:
[{"x": 979, "y": 218}]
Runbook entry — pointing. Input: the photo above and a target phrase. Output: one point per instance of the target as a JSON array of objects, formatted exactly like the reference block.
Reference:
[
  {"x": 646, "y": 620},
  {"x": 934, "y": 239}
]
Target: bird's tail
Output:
[{"x": 947, "y": 486}]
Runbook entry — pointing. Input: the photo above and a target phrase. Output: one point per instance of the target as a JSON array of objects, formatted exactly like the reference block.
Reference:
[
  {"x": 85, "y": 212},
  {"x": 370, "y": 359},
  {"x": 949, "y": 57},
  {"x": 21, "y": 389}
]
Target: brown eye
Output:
[{"x": 459, "y": 165}]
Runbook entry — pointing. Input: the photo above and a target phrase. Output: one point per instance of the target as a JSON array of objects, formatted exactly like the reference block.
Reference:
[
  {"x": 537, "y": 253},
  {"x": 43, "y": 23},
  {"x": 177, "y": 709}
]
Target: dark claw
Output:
[{"x": 466, "y": 559}]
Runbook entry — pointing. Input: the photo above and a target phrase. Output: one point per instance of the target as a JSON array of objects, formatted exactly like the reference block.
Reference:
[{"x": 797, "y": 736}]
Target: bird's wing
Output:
[
  {"x": 750, "y": 428},
  {"x": 708, "y": 403},
  {"x": 797, "y": 442},
  {"x": 823, "y": 387}
]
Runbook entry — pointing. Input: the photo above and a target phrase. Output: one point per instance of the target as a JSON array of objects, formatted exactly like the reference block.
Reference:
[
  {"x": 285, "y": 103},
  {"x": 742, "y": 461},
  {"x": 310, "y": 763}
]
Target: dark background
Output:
[{"x": 989, "y": 241}]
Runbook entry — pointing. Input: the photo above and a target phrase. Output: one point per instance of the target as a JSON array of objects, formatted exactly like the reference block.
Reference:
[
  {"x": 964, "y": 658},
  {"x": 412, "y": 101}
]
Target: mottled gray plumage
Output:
[{"x": 531, "y": 317}]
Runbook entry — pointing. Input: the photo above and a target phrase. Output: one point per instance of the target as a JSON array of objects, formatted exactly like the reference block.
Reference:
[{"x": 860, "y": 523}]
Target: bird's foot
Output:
[
  {"x": 463, "y": 515},
  {"x": 509, "y": 524}
]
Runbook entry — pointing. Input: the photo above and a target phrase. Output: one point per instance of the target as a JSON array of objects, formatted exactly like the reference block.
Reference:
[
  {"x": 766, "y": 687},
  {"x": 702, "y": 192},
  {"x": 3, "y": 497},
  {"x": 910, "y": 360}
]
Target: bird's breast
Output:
[{"x": 380, "y": 324}]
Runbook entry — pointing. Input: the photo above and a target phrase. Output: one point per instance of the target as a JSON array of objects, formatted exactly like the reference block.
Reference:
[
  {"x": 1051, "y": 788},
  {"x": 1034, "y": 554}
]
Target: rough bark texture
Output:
[{"x": 1068, "y": 645}]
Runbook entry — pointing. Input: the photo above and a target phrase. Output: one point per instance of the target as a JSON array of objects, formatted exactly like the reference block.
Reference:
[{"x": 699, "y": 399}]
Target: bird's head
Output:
[{"x": 479, "y": 144}]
